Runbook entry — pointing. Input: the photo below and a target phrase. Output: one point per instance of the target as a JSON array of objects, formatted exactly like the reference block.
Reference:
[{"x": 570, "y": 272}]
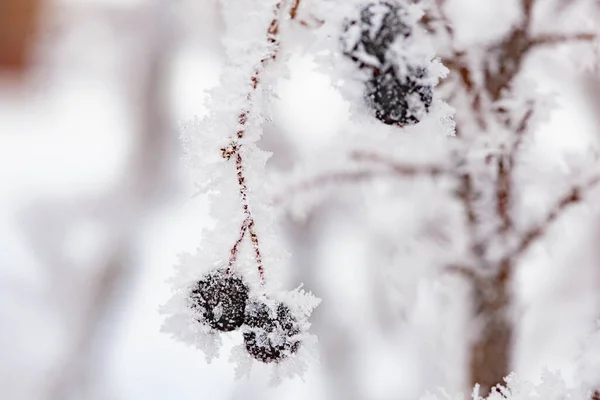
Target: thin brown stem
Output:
[
  {"x": 401, "y": 169},
  {"x": 294, "y": 9},
  {"x": 326, "y": 179},
  {"x": 234, "y": 148},
  {"x": 243, "y": 189},
  {"x": 467, "y": 272},
  {"x": 503, "y": 195},
  {"x": 235, "y": 249},
  {"x": 555, "y": 39},
  {"x": 392, "y": 168},
  {"x": 257, "y": 254}
]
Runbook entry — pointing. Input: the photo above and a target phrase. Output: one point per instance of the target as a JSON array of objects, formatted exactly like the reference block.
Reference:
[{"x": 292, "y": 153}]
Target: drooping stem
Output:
[
  {"x": 236, "y": 246},
  {"x": 243, "y": 187},
  {"x": 234, "y": 148}
]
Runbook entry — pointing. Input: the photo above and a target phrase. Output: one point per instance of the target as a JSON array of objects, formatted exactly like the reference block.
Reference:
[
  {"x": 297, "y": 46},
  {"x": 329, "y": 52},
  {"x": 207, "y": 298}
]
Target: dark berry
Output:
[
  {"x": 399, "y": 100},
  {"x": 221, "y": 298},
  {"x": 372, "y": 32},
  {"x": 272, "y": 332}
]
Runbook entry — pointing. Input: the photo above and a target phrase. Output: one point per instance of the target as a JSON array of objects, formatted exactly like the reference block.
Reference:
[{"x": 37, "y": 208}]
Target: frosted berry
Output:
[
  {"x": 399, "y": 100},
  {"x": 221, "y": 298},
  {"x": 372, "y": 32},
  {"x": 271, "y": 334}
]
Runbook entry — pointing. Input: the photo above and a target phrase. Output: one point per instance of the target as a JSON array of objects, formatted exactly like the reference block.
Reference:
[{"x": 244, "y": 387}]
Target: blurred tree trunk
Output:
[{"x": 491, "y": 349}]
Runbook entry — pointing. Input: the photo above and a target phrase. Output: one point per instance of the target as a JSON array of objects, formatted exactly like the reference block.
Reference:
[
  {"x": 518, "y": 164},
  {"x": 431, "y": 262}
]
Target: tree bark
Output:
[{"x": 491, "y": 350}]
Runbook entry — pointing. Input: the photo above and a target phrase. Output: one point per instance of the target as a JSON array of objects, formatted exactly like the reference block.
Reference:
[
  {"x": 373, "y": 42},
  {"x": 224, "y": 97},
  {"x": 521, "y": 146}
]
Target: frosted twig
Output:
[
  {"x": 234, "y": 148},
  {"x": 235, "y": 249},
  {"x": 458, "y": 64},
  {"x": 315, "y": 23},
  {"x": 466, "y": 272},
  {"x": 294, "y": 15},
  {"x": 400, "y": 168},
  {"x": 249, "y": 221},
  {"x": 392, "y": 168},
  {"x": 327, "y": 179},
  {"x": 294, "y": 9},
  {"x": 573, "y": 196},
  {"x": 527, "y": 9},
  {"x": 551, "y": 39}
]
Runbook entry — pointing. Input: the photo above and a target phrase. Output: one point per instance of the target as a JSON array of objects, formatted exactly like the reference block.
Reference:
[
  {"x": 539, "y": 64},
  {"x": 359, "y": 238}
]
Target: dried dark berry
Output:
[
  {"x": 221, "y": 298},
  {"x": 372, "y": 32},
  {"x": 399, "y": 101},
  {"x": 272, "y": 332}
]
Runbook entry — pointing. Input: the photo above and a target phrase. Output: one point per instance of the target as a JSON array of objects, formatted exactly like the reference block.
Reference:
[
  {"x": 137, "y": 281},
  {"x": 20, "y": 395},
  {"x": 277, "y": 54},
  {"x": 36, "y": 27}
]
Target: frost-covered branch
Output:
[
  {"x": 400, "y": 168},
  {"x": 391, "y": 168},
  {"x": 527, "y": 11},
  {"x": 326, "y": 179},
  {"x": 236, "y": 247},
  {"x": 504, "y": 58},
  {"x": 218, "y": 290},
  {"x": 234, "y": 148},
  {"x": 249, "y": 223},
  {"x": 536, "y": 232},
  {"x": 556, "y": 39},
  {"x": 572, "y": 197}
]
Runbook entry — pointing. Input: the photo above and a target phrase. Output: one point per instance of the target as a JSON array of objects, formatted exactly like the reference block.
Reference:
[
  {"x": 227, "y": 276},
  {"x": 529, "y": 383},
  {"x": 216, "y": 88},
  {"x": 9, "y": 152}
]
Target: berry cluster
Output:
[
  {"x": 222, "y": 300},
  {"x": 272, "y": 331},
  {"x": 396, "y": 89}
]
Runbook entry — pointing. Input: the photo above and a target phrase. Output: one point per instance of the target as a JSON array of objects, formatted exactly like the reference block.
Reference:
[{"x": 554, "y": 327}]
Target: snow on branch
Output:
[
  {"x": 391, "y": 168},
  {"x": 572, "y": 197},
  {"x": 224, "y": 287},
  {"x": 555, "y": 39}
]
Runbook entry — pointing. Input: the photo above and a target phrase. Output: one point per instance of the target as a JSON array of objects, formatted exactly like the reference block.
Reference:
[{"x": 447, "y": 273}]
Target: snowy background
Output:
[{"x": 66, "y": 136}]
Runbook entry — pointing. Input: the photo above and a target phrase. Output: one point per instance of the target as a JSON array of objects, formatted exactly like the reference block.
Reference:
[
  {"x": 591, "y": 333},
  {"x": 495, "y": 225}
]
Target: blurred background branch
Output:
[{"x": 19, "y": 23}]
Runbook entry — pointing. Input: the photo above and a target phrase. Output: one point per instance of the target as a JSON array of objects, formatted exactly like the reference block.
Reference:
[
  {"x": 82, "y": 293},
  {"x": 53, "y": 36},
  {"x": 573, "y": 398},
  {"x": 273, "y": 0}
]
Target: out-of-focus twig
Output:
[{"x": 573, "y": 196}]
